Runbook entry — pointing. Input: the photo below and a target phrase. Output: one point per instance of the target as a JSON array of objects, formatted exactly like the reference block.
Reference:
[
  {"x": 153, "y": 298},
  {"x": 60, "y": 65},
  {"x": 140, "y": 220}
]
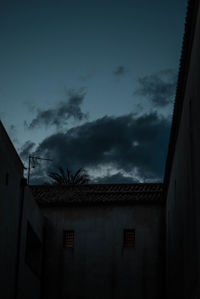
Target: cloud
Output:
[
  {"x": 119, "y": 71},
  {"x": 59, "y": 115},
  {"x": 117, "y": 178},
  {"x": 30, "y": 106},
  {"x": 128, "y": 143},
  {"x": 159, "y": 87},
  {"x": 89, "y": 75},
  {"x": 12, "y": 131},
  {"x": 26, "y": 149}
]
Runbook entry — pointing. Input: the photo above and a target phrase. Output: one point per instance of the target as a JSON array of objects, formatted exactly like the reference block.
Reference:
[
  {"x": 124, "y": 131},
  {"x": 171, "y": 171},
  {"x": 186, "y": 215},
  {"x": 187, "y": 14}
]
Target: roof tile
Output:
[{"x": 52, "y": 195}]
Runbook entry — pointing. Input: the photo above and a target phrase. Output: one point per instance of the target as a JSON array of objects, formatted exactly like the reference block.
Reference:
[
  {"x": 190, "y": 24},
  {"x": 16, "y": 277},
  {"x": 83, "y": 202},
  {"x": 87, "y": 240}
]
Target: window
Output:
[
  {"x": 68, "y": 241},
  {"x": 129, "y": 238},
  {"x": 33, "y": 255}
]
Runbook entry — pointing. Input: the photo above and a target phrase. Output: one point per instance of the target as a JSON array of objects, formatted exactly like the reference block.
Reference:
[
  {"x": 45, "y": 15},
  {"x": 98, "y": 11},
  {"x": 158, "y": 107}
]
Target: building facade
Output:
[
  {"x": 19, "y": 217},
  {"x": 182, "y": 192},
  {"x": 11, "y": 173},
  {"x": 103, "y": 241}
]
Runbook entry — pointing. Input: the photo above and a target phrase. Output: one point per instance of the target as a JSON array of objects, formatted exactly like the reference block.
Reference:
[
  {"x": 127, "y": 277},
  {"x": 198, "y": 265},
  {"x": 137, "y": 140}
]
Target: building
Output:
[
  {"x": 110, "y": 241},
  {"x": 21, "y": 227},
  {"x": 181, "y": 182},
  {"x": 103, "y": 241},
  {"x": 86, "y": 241}
]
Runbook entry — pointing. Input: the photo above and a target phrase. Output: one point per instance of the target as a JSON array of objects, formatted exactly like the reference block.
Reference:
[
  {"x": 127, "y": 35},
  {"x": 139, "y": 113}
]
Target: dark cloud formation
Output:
[
  {"x": 59, "y": 115},
  {"x": 26, "y": 149},
  {"x": 124, "y": 143},
  {"x": 117, "y": 178},
  {"x": 159, "y": 88},
  {"x": 12, "y": 131},
  {"x": 12, "y": 128},
  {"x": 119, "y": 71}
]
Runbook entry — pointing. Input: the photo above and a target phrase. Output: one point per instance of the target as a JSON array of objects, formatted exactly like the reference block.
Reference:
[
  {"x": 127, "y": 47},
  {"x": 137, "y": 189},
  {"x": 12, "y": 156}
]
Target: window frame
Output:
[
  {"x": 127, "y": 241},
  {"x": 68, "y": 239}
]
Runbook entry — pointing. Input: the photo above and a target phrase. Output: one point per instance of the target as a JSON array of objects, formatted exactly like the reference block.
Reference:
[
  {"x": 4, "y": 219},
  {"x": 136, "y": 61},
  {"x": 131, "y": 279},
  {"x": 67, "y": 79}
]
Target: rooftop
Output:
[
  {"x": 55, "y": 195},
  {"x": 5, "y": 134}
]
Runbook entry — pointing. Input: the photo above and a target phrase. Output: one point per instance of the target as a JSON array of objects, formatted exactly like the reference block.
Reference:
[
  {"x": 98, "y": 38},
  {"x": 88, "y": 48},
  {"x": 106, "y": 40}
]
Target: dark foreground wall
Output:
[
  {"x": 183, "y": 199},
  {"x": 99, "y": 266},
  {"x": 11, "y": 172},
  {"x": 21, "y": 229},
  {"x": 31, "y": 250}
]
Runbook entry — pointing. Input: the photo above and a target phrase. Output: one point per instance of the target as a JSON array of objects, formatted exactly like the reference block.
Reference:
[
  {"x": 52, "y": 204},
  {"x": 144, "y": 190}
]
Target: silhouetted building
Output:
[
  {"x": 81, "y": 241},
  {"x": 21, "y": 229},
  {"x": 110, "y": 241},
  {"x": 103, "y": 241},
  {"x": 182, "y": 193}
]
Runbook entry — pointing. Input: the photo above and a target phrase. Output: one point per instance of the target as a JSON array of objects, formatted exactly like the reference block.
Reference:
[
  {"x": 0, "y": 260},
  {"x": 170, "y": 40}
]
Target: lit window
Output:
[
  {"x": 129, "y": 238},
  {"x": 68, "y": 239}
]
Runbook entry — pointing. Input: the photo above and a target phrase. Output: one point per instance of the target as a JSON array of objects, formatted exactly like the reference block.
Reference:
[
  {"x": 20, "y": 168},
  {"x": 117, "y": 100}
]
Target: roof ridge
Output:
[
  {"x": 188, "y": 37},
  {"x": 10, "y": 142},
  {"x": 94, "y": 195},
  {"x": 95, "y": 185}
]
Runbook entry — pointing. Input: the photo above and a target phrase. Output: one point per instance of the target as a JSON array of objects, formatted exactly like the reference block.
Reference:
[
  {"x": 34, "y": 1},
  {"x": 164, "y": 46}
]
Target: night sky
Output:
[{"x": 91, "y": 84}]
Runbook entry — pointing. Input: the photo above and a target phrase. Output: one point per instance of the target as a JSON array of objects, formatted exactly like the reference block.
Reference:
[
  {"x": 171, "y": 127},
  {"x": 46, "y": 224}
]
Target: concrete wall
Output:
[
  {"x": 183, "y": 204},
  {"x": 29, "y": 282},
  {"x": 10, "y": 198},
  {"x": 17, "y": 208},
  {"x": 99, "y": 266}
]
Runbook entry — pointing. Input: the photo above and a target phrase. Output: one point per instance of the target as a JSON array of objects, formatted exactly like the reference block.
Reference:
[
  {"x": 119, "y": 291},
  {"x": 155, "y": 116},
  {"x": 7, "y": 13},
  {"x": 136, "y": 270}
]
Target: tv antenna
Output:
[{"x": 32, "y": 159}]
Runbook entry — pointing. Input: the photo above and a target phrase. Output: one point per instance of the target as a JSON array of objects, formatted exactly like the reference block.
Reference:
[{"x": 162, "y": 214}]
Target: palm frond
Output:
[{"x": 66, "y": 177}]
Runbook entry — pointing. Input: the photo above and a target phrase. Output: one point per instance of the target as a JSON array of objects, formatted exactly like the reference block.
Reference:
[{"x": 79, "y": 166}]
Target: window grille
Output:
[
  {"x": 129, "y": 238},
  {"x": 68, "y": 239}
]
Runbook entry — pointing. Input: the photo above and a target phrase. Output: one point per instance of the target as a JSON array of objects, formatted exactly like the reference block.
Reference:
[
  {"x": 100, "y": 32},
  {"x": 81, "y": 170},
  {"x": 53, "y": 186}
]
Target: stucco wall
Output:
[
  {"x": 10, "y": 197},
  {"x": 99, "y": 266},
  {"x": 16, "y": 208},
  {"x": 30, "y": 283},
  {"x": 183, "y": 204}
]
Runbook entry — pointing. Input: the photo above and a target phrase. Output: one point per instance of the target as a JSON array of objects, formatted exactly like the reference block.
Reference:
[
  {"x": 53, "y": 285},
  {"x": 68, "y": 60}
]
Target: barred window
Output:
[
  {"x": 68, "y": 241},
  {"x": 129, "y": 238}
]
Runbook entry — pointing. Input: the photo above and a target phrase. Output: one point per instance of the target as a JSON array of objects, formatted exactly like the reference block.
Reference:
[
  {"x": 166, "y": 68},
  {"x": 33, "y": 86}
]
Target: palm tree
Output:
[{"x": 68, "y": 178}]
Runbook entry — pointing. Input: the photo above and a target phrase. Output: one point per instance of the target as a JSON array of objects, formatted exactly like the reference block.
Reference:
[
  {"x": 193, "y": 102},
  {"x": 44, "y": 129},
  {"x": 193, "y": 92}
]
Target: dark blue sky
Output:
[{"x": 86, "y": 73}]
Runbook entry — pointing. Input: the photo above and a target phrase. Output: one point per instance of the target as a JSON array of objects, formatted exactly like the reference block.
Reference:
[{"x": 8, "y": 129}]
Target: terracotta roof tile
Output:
[{"x": 52, "y": 195}]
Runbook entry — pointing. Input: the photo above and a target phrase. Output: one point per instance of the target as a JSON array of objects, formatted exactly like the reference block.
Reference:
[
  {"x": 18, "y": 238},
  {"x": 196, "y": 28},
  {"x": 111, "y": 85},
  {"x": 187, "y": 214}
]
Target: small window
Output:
[
  {"x": 68, "y": 239},
  {"x": 33, "y": 256},
  {"x": 129, "y": 238}
]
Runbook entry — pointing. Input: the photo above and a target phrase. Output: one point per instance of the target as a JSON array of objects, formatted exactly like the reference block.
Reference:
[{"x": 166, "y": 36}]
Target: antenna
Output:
[{"x": 33, "y": 159}]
